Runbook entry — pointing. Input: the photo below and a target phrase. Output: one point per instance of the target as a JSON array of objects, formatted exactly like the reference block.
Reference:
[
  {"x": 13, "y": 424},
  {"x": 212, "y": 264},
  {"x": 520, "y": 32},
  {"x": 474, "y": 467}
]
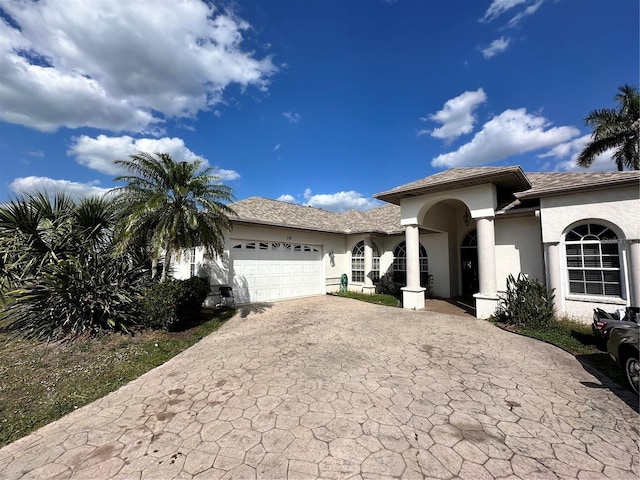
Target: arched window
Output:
[
  {"x": 357, "y": 263},
  {"x": 593, "y": 260},
  {"x": 400, "y": 264}
]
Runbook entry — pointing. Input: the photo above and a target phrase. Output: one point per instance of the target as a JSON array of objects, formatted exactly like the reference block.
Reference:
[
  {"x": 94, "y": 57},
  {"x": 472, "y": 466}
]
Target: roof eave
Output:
[
  {"x": 568, "y": 190},
  {"x": 498, "y": 178}
]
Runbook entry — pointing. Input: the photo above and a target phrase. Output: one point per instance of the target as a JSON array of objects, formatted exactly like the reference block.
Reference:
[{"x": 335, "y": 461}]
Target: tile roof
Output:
[
  {"x": 554, "y": 183},
  {"x": 386, "y": 219},
  {"x": 509, "y": 177},
  {"x": 264, "y": 211}
]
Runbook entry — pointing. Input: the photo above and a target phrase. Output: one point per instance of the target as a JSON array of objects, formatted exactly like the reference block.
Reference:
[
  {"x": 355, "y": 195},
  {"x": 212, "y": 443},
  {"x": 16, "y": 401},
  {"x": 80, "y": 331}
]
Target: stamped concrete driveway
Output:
[{"x": 334, "y": 388}]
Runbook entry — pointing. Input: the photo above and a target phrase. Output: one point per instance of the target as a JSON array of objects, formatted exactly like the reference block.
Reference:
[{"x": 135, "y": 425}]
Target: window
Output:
[
  {"x": 192, "y": 262},
  {"x": 400, "y": 264},
  {"x": 593, "y": 260},
  {"x": 357, "y": 263}
]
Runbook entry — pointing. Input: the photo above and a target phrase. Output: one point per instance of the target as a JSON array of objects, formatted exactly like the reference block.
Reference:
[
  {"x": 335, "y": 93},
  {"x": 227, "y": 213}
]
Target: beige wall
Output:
[{"x": 518, "y": 249}]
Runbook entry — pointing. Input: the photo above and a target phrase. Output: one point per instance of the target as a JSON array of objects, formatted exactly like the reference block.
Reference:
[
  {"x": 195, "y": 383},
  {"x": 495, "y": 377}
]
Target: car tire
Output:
[{"x": 632, "y": 372}]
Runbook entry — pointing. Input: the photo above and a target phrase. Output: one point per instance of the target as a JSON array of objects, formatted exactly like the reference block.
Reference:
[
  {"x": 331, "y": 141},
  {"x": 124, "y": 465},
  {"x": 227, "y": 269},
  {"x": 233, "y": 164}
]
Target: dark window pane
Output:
[
  {"x": 611, "y": 277},
  {"x": 612, "y": 289},
  {"x": 574, "y": 250},
  {"x": 581, "y": 230},
  {"x": 576, "y": 275},
  {"x": 576, "y": 287},
  {"x": 591, "y": 249},
  {"x": 611, "y": 262},
  {"x": 593, "y": 275},
  {"x": 594, "y": 289},
  {"x": 574, "y": 261},
  {"x": 609, "y": 248},
  {"x": 592, "y": 262}
]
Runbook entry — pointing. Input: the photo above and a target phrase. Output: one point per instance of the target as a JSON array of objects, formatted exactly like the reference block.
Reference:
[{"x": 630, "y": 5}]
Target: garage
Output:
[{"x": 266, "y": 271}]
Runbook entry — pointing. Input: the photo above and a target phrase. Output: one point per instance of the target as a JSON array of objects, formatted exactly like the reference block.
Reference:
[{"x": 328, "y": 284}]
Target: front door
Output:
[{"x": 469, "y": 258}]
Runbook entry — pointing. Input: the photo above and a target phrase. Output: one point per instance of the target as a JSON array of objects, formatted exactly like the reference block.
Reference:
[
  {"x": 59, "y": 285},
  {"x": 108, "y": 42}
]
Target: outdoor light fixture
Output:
[{"x": 467, "y": 217}]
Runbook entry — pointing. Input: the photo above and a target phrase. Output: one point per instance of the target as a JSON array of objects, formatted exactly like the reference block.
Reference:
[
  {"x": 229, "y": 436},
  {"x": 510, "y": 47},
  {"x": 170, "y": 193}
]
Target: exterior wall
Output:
[
  {"x": 518, "y": 249},
  {"x": 437, "y": 247},
  {"x": 618, "y": 209}
]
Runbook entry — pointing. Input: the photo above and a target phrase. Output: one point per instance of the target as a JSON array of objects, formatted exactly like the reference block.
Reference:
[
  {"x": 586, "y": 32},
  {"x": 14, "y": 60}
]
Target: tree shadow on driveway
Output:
[
  {"x": 253, "y": 308},
  {"x": 590, "y": 362}
]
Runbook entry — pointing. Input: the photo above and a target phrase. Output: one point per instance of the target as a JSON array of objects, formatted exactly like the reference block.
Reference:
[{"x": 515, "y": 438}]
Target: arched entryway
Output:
[{"x": 469, "y": 264}]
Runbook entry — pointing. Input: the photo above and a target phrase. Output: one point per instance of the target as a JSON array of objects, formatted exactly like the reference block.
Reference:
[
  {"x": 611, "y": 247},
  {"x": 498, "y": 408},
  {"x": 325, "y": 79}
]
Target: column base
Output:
[
  {"x": 369, "y": 289},
  {"x": 413, "y": 298},
  {"x": 486, "y": 304}
]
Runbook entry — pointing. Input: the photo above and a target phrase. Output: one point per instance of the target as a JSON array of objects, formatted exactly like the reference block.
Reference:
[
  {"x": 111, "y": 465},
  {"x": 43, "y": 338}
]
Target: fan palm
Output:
[
  {"x": 172, "y": 206},
  {"x": 617, "y": 129}
]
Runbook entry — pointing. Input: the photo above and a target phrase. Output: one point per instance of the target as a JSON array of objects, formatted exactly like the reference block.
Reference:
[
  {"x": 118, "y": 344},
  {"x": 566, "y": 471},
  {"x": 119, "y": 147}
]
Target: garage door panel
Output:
[{"x": 275, "y": 271}]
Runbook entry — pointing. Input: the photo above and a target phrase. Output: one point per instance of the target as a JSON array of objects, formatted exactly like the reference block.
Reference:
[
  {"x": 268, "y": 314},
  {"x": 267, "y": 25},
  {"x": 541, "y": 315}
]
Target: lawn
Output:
[
  {"x": 377, "y": 298},
  {"x": 41, "y": 382}
]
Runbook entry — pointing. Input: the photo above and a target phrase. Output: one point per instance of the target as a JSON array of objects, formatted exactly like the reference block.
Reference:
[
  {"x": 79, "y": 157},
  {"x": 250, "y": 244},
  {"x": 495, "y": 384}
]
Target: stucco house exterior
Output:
[{"x": 463, "y": 230}]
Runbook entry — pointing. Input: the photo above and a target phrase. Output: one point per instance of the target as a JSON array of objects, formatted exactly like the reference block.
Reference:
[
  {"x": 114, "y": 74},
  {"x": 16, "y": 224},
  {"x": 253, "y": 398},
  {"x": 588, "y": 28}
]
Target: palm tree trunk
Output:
[
  {"x": 166, "y": 263},
  {"x": 154, "y": 267}
]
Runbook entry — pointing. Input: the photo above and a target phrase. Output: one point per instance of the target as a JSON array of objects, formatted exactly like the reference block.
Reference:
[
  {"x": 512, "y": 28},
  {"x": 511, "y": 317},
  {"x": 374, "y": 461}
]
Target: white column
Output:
[
  {"x": 634, "y": 272},
  {"x": 413, "y": 293},
  {"x": 368, "y": 266},
  {"x": 486, "y": 256},
  {"x": 554, "y": 278},
  {"x": 486, "y": 298}
]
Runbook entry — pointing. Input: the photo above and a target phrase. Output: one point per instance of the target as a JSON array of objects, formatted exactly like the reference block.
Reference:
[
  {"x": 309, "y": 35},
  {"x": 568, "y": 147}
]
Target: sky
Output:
[{"x": 317, "y": 102}]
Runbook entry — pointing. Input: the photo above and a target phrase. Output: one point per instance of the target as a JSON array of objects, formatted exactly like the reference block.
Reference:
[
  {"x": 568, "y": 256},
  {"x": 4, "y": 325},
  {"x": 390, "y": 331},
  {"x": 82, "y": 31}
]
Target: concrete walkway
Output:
[{"x": 335, "y": 388}]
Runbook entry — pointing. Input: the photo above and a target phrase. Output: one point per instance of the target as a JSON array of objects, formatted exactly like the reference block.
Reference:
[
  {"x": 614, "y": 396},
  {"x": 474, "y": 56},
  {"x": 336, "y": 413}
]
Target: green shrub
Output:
[
  {"x": 173, "y": 304},
  {"x": 75, "y": 296},
  {"x": 527, "y": 302}
]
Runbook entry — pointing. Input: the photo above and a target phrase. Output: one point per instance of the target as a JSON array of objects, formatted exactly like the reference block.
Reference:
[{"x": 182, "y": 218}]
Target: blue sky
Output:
[{"x": 321, "y": 102}]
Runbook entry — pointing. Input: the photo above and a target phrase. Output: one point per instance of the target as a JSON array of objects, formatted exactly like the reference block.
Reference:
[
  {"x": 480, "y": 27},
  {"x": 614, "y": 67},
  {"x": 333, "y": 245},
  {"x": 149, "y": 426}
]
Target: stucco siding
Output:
[
  {"x": 620, "y": 207},
  {"x": 518, "y": 249}
]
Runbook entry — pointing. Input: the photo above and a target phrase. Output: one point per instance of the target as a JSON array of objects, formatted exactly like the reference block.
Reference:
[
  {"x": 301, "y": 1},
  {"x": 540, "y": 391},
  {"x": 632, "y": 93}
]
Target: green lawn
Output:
[
  {"x": 377, "y": 298},
  {"x": 41, "y": 382}
]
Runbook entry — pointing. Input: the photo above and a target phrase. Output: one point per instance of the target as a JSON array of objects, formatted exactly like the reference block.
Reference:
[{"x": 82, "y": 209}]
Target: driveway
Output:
[{"x": 335, "y": 388}]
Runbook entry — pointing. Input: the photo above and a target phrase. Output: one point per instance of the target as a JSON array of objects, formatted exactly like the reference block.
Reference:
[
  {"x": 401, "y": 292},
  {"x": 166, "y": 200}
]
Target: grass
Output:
[
  {"x": 577, "y": 339},
  {"x": 42, "y": 382},
  {"x": 377, "y": 298}
]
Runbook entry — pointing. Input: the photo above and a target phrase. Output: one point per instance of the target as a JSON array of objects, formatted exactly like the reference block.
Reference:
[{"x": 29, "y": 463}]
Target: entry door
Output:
[{"x": 469, "y": 258}]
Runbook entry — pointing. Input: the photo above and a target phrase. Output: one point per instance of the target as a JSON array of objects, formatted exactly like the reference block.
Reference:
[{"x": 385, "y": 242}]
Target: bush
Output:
[
  {"x": 527, "y": 302},
  {"x": 76, "y": 296},
  {"x": 173, "y": 304}
]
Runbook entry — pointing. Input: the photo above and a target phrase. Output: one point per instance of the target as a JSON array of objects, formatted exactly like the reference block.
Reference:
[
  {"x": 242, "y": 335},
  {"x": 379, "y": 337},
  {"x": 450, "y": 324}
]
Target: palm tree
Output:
[
  {"x": 616, "y": 128},
  {"x": 172, "y": 206}
]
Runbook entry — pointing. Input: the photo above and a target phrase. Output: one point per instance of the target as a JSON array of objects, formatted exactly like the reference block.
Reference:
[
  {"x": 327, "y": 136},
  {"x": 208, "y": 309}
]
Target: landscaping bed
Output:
[{"x": 41, "y": 382}]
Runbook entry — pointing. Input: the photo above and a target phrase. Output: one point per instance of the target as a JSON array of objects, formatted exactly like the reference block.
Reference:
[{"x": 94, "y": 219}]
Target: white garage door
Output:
[{"x": 265, "y": 271}]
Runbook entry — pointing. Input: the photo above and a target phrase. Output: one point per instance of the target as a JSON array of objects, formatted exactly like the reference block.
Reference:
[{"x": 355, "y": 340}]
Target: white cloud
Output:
[
  {"x": 530, "y": 10},
  {"x": 276, "y": 148},
  {"x": 499, "y": 45},
  {"x": 287, "y": 198},
  {"x": 36, "y": 153},
  {"x": 340, "y": 201},
  {"x": 567, "y": 153},
  {"x": 456, "y": 116},
  {"x": 74, "y": 189},
  {"x": 120, "y": 65},
  {"x": 100, "y": 153},
  {"x": 498, "y": 7},
  {"x": 226, "y": 175},
  {"x": 513, "y": 132},
  {"x": 292, "y": 117}
]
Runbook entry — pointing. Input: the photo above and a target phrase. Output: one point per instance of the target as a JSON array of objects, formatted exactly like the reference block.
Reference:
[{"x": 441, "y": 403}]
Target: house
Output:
[{"x": 460, "y": 232}]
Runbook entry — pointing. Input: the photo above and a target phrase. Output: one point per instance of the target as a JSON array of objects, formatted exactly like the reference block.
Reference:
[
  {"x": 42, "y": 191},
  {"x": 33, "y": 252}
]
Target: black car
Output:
[
  {"x": 623, "y": 348},
  {"x": 604, "y": 322}
]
